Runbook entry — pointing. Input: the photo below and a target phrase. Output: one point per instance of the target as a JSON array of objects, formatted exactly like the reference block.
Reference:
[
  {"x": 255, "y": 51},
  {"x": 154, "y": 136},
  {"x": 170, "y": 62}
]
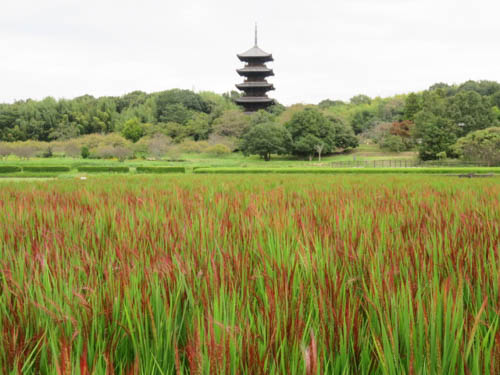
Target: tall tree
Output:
[
  {"x": 265, "y": 139},
  {"x": 412, "y": 106},
  {"x": 481, "y": 145},
  {"x": 470, "y": 111},
  {"x": 436, "y": 134},
  {"x": 309, "y": 128}
]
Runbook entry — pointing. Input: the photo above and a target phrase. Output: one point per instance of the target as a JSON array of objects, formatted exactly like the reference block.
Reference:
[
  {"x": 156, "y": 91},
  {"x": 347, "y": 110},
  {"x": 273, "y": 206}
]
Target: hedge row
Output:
[
  {"x": 30, "y": 175},
  {"x": 9, "y": 169},
  {"x": 97, "y": 169},
  {"x": 161, "y": 170},
  {"x": 46, "y": 168},
  {"x": 447, "y": 170}
]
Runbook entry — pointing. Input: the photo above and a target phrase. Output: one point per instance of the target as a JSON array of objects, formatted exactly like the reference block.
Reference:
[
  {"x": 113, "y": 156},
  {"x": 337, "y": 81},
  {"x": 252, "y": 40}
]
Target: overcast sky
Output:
[{"x": 322, "y": 48}]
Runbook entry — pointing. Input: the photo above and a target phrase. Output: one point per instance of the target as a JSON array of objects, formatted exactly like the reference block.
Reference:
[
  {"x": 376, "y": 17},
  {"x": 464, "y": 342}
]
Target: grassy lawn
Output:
[{"x": 189, "y": 161}]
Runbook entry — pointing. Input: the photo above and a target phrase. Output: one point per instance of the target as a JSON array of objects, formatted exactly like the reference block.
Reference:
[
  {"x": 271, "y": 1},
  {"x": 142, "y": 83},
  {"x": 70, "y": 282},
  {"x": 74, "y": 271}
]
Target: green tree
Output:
[
  {"x": 276, "y": 109},
  {"x": 392, "y": 143},
  {"x": 363, "y": 119},
  {"x": 481, "y": 145},
  {"x": 412, "y": 107},
  {"x": 175, "y": 130},
  {"x": 176, "y": 105},
  {"x": 309, "y": 128},
  {"x": 232, "y": 123},
  {"x": 344, "y": 137},
  {"x": 130, "y": 100},
  {"x": 261, "y": 117},
  {"x": 360, "y": 99},
  {"x": 198, "y": 126},
  {"x": 435, "y": 134},
  {"x": 495, "y": 99},
  {"x": 133, "y": 130},
  {"x": 470, "y": 111},
  {"x": 265, "y": 139},
  {"x": 330, "y": 103},
  {"x": 175, "y": 113}
]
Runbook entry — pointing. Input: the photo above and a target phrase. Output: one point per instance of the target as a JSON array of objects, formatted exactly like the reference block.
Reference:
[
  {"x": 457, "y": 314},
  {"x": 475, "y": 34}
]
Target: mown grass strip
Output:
[
  {"x": 160, "y": 170},
  {"x": 46, "y": 168},
  {"x": 103, "y": 169},
  {"x": 9, "y": 169},
  {"x": 29, "y": 175},
  {"x": 314, "y": 170}
]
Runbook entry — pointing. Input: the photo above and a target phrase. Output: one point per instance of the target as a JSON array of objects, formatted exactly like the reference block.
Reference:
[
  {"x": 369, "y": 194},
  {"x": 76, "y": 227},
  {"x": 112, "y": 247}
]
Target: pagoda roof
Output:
[
  {"x": 255, "y": 84},
  {"x": 255, "y": 69},
  {"x": 254, "y": 99},
  {"x": 255, "y": 52}
]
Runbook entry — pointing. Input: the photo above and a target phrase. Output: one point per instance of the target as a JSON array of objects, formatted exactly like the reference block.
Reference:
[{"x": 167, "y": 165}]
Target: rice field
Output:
[{"x": 250, "y": 274}]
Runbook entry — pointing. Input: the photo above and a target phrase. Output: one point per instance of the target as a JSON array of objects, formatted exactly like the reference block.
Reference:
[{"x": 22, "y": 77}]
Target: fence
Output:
[{"x": 405, "y": 163}]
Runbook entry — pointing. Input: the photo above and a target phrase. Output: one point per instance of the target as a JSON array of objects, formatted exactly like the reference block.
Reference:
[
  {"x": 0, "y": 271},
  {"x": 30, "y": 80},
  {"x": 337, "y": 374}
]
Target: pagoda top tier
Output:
[{"x": 255, "y": 53}]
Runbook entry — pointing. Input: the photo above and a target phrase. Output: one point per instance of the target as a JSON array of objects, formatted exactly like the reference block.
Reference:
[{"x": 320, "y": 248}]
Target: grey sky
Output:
[{"x": 322, "y": 49}]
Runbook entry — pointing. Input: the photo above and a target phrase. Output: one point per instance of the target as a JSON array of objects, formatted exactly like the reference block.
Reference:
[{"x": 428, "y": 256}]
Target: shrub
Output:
[
  {"x": 393, "y": 143},
  {"x": 46, "y": 168},
  {"x": 9, "y": 169},
  {"x": 103, "y": 169},
  {"x": 85, "y": 152},
  {"x": 158, "y": 145},
  {"x": 122, "y": 153},
  {"x": 441, "y": 155},
  {"x": 481, "y": 145},
  {"x": 5, "y": 149},
  {"x": 230, "y": 142},
  {"x": 161, "y": 169},
  {"x": 218, "y": 150},
  {"x": 133, "y": 130},
  {"x": 25, "y": 150},
  {"x": 192, "y": 147},
  {"x": 105, "y": 152},
  {"x": 47, "y": 153}
]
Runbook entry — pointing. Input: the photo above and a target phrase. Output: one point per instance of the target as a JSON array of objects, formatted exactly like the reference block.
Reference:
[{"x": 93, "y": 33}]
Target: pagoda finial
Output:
[{"x": 255, "y": 34}]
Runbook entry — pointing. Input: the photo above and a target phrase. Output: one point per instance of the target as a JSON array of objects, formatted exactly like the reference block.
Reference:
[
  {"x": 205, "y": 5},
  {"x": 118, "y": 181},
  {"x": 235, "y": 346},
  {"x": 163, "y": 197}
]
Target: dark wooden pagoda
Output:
[{"x": 255, "y": 85}]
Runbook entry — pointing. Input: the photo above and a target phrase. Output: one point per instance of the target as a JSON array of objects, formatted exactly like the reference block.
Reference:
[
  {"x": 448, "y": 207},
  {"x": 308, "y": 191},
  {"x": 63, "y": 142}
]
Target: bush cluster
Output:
[
  {"x": 103, "y": 169},
  {"x": 9, "y": 169},
  {"x": 161, "y": 170},
  {"x": 46, "y": 168}
]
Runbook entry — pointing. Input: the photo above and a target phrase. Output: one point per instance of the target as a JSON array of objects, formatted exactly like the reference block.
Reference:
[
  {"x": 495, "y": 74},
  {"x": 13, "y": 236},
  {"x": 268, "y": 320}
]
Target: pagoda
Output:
[{"x": 255, "y": 85}]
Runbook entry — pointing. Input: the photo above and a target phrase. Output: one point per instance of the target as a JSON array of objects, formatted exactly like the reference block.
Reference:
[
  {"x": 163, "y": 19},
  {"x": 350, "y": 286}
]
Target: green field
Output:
[
  {"x": 231, "y": 163},
  {"x": 250, "y": 274},
  {"x": 190, "y": 160}
]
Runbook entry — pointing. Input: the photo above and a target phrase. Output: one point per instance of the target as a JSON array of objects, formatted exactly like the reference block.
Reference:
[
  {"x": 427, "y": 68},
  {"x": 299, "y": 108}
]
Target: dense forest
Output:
[{"x": 434, "y": 122}]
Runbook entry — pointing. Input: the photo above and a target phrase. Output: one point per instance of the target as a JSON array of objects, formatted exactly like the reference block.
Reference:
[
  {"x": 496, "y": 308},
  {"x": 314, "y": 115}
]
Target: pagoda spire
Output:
[{"x": 255, "y": 34}]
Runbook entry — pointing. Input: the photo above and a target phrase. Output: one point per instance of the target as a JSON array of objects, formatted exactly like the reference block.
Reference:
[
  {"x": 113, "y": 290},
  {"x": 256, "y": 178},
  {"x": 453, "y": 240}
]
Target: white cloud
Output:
[{"x": 322, "y": 49}]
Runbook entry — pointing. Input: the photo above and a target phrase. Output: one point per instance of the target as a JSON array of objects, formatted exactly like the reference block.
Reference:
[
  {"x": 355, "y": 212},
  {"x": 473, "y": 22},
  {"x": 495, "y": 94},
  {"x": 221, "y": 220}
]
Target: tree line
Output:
[{"x": 434, "y": 122}]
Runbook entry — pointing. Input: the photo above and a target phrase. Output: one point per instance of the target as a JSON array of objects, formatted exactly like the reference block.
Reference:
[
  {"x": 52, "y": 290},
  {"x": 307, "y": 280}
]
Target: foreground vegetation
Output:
[{"x": 237, "y": 274}]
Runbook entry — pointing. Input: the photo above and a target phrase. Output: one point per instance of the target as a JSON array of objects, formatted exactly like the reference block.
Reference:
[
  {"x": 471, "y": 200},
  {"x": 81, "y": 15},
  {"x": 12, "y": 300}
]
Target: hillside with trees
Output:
[{"x": 445, "y": 121}]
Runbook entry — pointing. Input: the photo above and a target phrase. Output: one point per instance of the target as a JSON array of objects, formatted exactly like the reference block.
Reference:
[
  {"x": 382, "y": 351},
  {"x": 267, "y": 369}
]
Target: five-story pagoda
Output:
[{"x": 255, "y": 85}]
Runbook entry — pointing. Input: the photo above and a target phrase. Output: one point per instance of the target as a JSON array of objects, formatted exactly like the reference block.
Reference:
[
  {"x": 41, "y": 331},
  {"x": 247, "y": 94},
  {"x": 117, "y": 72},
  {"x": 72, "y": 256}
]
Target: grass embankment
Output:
[
  {"x": 67, "y": 170},
  {"x": 318, "y": 170},
  {"x": 232, "y": 274}
]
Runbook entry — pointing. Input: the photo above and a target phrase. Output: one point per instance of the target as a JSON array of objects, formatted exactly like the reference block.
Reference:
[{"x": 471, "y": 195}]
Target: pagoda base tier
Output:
[{"x": 254, "y": 103}]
